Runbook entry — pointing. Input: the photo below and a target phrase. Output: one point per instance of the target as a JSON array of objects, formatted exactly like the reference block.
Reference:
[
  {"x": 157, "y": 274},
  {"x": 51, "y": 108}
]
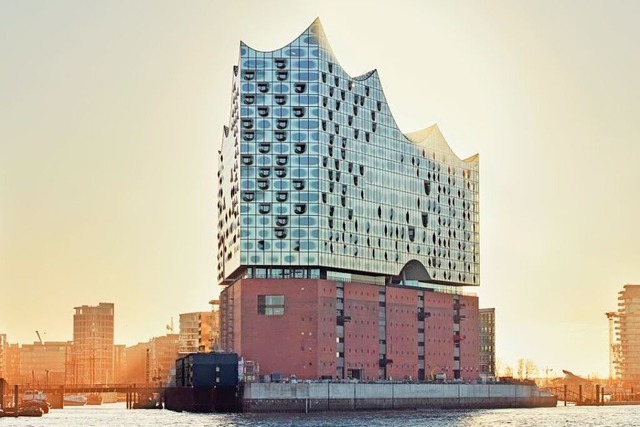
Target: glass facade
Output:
[{"x": 314, "y": 173}]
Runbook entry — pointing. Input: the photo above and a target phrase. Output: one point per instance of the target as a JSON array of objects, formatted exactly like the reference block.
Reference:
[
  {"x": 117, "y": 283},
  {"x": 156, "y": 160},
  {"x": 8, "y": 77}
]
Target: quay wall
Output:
[{"x": 314, "y": 397}]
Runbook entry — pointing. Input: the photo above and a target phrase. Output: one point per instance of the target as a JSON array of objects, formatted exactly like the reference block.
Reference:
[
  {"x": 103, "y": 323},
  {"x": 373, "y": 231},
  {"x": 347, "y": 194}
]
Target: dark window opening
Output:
[
  {"x": 248, "y": 135},
  {"x": 280, "y": 99},
  {"x": 300, "y": 208},
  {"x": 263, "y": 87},
  {"x": 301, "y": 88},
  {"x": 247, "y": 160},
  {"x": 264, "y": 208},
  {"x": 248, "y": 99},
  {"x": 280, "y": 135}
]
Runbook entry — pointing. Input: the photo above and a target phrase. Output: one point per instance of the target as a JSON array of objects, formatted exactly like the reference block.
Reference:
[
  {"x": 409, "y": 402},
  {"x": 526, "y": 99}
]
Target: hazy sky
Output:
[{"x": 111, "y": 114}]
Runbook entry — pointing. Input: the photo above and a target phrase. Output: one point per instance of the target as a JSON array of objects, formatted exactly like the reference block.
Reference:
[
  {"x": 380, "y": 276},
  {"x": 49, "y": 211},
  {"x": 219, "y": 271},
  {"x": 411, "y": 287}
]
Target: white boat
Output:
[{"x": 74, "y": 400}]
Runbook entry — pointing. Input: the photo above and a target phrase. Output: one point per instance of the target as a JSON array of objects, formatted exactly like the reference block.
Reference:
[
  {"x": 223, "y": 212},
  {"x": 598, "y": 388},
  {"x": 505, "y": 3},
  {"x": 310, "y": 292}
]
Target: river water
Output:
[{"x": 117, "y": 415}]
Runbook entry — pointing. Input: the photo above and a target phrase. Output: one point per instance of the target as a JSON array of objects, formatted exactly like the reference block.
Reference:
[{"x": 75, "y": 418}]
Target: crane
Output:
[{"x": 39, "y": 338}]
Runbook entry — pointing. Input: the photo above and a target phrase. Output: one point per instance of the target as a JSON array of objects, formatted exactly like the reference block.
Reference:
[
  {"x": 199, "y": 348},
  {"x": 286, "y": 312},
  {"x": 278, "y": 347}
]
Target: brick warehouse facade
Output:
[
  {"x": 389, "y": 332},
  {"x": 343, "y": 243}
]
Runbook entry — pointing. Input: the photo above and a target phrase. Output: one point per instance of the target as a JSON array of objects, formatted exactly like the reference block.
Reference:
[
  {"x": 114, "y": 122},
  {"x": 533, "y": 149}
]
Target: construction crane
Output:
[{"x": 39, "y": 338}]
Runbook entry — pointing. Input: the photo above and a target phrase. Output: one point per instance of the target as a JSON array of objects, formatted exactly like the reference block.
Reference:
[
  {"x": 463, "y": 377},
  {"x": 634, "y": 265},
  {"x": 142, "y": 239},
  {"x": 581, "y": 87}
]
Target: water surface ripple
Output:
[{"x": 118, "y": 415}]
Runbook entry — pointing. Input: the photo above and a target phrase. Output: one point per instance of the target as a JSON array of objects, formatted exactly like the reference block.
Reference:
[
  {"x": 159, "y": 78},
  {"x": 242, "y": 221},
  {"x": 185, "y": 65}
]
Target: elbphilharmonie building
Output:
[{"x": 329, "y": 213}]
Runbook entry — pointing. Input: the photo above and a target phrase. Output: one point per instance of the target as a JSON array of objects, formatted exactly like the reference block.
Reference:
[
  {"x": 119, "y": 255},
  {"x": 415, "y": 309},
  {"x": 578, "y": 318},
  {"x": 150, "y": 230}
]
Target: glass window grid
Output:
[{"x": 377, "y": 189}]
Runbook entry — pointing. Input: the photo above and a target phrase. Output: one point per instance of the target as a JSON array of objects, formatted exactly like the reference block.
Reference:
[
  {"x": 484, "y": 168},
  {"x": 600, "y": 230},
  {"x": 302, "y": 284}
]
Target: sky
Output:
[{"x": 111, "y": 114}]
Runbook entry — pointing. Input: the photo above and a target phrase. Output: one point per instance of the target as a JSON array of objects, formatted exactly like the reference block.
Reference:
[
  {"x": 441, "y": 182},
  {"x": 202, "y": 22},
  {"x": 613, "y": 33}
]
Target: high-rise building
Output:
[
  {"x": 488, "y": 342},
  {"x": 92, "y": 356},
  {"x": 195, "y": 332},
  {"x": 628, "y": 334},
  {"x": 343, "y": 243}
]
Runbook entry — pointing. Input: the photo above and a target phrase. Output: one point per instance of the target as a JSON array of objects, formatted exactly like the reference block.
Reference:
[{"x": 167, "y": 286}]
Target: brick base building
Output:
[{"x": 327, "y": 329}]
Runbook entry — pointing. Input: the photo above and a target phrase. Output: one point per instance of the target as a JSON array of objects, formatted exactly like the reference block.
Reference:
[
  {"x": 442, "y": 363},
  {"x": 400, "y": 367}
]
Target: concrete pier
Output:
[{"x": 315, "y": 397}]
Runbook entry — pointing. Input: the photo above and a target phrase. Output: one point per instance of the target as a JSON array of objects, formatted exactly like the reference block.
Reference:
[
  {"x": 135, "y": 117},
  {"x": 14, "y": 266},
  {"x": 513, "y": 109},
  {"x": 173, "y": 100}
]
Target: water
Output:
[{"x": 118, "y": 416}]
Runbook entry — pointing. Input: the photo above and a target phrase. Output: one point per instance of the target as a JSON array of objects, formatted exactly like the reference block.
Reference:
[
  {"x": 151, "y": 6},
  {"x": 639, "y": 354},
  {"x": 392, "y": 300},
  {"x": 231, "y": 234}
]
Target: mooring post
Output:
[
  {"x": 597, "y": 394},
  {"x": 565, "y": 395},
  {"x": 602, "y": 396},
  {"x": 580, "y": 394},
  {"x": 15, "y": 400}
]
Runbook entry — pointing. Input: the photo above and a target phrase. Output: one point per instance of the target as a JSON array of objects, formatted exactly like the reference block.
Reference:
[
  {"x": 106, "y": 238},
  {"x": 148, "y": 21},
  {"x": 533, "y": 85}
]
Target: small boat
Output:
[
  {"x": 74, "y": 400},
  {"x": 30, "y": 411},
  {"x": 94, "y": 399},
  {"x": 41, "y": 404},
  {"x": 152, "y": 401}
]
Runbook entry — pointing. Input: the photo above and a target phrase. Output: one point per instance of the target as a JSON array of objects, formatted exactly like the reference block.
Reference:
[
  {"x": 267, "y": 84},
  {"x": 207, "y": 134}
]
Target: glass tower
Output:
[{"x": 316, "y": 180}]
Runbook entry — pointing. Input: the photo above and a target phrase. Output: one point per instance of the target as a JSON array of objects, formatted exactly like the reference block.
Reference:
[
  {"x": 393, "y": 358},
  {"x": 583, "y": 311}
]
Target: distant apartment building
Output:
[
  {"x": 12, "y": 363},
  {"x": 487, "y": 342},
  {"x": 137, "y": 355},
  {"x": 164, "y": 352},
  {"x": 119, "y": 363},
  {"x": 43, "y": 364},
  {"x": 215, "y": 325},
  {"x": 628, "y": 334},
  {"x": 3, "y": 344},
  {"x": 195, "y": 332},
  {"x": 152, "y": 362},
  {"x": 92, "y": 356}
]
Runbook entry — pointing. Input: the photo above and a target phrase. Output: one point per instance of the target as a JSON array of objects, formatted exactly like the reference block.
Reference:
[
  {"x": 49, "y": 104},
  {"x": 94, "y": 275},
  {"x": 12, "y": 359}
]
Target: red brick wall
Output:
[
  {"x": 303, "y": 340},
  {"x": 402, "y": 332},
  {"x": 361, "y": 333},
  {"x": 470, "y": 343},
  {"x": 438, "y": 334}
]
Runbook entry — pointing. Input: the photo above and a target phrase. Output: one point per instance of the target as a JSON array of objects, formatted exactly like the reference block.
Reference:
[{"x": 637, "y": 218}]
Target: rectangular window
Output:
[{"x": 271, "y": 305}]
